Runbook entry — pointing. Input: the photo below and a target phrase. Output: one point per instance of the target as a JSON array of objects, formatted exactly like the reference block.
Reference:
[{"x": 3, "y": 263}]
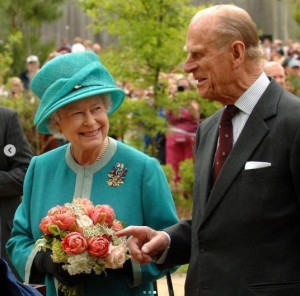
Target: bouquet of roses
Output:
[{"x": 82, "y": 237}]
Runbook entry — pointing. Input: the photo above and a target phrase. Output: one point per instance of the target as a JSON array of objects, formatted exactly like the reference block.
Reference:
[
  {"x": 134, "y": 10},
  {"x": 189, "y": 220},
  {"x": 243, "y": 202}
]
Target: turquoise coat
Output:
[{"x": 54, "y": 178}]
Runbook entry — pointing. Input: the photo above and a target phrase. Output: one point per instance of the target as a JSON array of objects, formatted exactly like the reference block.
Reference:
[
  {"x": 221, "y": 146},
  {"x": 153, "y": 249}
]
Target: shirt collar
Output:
[{"x": 251, "y": 96}]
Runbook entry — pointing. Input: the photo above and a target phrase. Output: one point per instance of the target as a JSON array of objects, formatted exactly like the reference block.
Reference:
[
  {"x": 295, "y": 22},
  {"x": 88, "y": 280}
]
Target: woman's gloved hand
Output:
[{"x": 43, "y": 263}]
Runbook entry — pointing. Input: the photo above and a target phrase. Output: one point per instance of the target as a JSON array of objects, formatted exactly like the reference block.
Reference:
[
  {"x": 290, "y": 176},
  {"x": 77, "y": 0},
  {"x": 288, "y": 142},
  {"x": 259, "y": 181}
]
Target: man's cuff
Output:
[{"x": 163, "y": 256}]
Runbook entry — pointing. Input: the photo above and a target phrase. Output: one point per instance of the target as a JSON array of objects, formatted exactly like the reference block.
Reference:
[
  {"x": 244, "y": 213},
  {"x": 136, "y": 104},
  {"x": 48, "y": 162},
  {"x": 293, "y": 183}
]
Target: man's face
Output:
[
  {"x": 32, "y": 66},
  {"x": 277, "y": 73},
  {"x": 209, "y": 65}
]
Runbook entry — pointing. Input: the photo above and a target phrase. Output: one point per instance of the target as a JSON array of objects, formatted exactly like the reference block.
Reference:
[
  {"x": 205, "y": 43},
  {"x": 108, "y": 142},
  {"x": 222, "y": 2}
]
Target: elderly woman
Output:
[{"x": 77, "y": 94}]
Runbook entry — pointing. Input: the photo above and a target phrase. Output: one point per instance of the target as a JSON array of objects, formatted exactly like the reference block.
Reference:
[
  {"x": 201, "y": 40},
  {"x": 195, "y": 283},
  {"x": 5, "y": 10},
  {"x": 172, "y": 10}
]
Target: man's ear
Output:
[{"x": 238, "y": 53}]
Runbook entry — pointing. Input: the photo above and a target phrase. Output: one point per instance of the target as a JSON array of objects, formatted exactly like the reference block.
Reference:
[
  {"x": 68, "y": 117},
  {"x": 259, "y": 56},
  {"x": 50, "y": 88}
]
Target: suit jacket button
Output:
[{"x": 202, "y": 249}]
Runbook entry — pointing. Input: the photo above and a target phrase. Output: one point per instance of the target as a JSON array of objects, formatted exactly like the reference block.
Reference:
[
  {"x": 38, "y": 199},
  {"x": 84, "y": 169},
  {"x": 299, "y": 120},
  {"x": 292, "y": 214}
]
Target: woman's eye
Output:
[
  {"x": 76, "y": 113},
  {"x": 97, "y": 109}
]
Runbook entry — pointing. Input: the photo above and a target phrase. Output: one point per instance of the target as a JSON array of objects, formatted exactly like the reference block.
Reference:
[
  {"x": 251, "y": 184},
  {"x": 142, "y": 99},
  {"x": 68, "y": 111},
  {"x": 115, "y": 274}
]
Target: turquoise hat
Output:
[{"x": 68, "y": 78}]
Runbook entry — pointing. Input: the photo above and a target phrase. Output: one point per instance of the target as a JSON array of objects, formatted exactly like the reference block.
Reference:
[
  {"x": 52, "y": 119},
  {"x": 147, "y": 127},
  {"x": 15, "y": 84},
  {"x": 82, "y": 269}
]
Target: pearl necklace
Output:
[{"x": 104, "y": 147}]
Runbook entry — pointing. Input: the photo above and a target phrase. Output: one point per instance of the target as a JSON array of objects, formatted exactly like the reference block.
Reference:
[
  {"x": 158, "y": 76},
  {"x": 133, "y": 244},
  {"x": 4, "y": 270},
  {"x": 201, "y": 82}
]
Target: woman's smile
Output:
[{"x": 91, "y": 133}]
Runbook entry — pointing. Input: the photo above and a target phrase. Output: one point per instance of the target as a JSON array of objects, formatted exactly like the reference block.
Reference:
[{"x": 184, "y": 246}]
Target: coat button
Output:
[{"x": 202, "y": 249}]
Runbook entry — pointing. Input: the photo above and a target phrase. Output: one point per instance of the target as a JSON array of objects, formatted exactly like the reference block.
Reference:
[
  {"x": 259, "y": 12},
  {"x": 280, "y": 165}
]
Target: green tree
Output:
[
  {"x": 24, "y": 18},
  {"x": 138, "y": 118},
  {"x": 150, "y": 38},
  {"x": 296, "y": 10},
  {"x": 150, "y": 34},
  {"x": 6, "y": 56}
]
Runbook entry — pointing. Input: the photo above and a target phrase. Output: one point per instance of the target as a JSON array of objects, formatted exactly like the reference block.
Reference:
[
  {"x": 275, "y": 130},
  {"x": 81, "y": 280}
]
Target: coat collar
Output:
[{"x": 253, "y": 133}]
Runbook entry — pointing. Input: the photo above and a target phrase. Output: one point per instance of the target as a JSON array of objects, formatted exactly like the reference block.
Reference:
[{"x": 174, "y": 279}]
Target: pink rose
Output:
[
  {"x": 103, "y": 214},
  {"x": 63, "y": 217},
  {"x": 116, "y": 257},
  {"x": 86, "y": 205},
  {"x": 117, "y": 225},
  {"x": 44, "y": 225},
  {"x": 98, "y": 246},
  {"x": 74, "y": 243}
]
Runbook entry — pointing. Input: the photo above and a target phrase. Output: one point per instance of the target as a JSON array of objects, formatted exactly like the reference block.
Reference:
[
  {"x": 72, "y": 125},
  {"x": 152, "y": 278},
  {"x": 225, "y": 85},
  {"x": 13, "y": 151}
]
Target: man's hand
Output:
[{"x": 145, "y": 243}]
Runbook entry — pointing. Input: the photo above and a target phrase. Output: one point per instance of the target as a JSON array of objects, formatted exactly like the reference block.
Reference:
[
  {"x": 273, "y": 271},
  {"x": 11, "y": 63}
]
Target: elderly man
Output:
[
  {"x": 244, "y": 235},
  {"x": 276, "y": 70}
]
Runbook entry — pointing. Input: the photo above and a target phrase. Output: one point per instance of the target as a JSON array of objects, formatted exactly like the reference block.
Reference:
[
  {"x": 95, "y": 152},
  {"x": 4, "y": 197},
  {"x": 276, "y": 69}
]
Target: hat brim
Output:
[{"x": 117, "y": 97}]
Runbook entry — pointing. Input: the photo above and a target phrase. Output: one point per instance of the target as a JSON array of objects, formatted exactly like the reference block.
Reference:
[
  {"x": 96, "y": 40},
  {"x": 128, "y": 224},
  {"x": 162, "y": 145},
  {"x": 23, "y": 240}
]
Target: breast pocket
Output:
[
  {"x": 262, "y": 174},
  {"x": 259, "y": 182},
  {"x": 265, "y": 188}
]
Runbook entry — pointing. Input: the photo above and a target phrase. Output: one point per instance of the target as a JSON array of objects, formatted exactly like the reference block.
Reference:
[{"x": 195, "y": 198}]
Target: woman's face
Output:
[{"x": 84, "y": 123}]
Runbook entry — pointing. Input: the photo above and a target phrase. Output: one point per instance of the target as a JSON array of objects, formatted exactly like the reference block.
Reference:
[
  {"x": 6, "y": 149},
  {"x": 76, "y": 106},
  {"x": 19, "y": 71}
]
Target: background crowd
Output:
[
  {"x": 175, "y": 143},
  {"x": 173, "y": 140}
]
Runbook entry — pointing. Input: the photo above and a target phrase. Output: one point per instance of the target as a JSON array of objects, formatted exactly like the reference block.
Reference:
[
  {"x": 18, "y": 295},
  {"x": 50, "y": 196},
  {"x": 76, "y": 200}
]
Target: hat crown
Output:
[
  {"x": 70, "y": 68},
  {"x": 70, "y": 77}
]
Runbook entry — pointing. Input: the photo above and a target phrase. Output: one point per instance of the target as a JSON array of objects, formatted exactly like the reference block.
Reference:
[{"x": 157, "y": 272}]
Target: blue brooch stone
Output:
[{"x": 117, "y": 175}]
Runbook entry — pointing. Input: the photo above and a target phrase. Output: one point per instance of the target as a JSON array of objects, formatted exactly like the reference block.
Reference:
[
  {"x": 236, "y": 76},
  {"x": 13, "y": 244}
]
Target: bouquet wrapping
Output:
[{"x": 82, "y": 237}]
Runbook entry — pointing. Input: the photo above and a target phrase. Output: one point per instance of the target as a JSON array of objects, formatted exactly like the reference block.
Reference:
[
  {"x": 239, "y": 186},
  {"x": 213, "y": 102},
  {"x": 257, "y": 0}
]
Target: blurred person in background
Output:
[
  {"x": 276, "y": 71},
  {"x": 97, "y": 48},
  {"x": 293, "y": 67},
  {"x": 32, "y": 67},
  {"x": 15, "y": 87},
  {"x": 181, "y": 131},
  {"x": 15, "y": 155},
  {"x": 77, "y": 45}
]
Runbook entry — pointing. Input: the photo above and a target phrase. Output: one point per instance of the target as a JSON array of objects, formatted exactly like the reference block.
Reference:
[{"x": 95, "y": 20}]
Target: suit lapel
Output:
[
  {"x": 207, "y": 157},
  {"x": 252, "y": 134}
]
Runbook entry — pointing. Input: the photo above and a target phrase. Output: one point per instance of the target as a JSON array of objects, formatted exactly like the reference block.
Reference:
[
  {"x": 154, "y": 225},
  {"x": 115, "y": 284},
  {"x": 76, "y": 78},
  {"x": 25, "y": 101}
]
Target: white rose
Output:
[
  {"x": 84, "y": 221},
  {"x": 116, "y": 257}
]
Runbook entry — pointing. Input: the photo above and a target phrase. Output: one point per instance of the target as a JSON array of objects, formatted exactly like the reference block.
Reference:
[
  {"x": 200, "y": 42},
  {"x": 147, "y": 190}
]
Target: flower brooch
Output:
[{"x": 117, "y": 175}]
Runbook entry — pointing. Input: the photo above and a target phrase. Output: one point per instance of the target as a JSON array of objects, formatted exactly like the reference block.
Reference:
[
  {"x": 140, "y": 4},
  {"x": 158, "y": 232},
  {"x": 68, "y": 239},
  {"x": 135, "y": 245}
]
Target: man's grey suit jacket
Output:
[{"x": 244, "y": 236}]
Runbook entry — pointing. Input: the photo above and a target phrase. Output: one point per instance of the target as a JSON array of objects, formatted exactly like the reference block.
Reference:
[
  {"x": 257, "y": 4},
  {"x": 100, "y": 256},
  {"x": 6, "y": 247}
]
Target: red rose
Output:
[
  {"x": 63, "y": 217},
  {"x": 44, "y": 225},
  {"x": 98, "y": 246},
  {"x": 103, "y": 214},
  {"x": 74, "y": 243}
]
